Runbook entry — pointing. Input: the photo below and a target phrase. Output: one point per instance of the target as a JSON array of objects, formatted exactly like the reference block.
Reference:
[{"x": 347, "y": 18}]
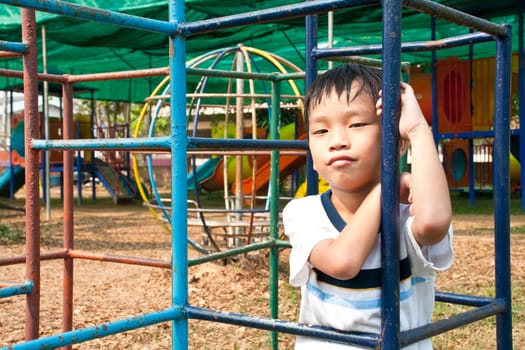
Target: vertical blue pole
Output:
[
  {"x": 521, "y": 95},
  {"x": 274, "y": 210},
  {"x": 471, "y": 177},
  {"x": 390, "y": 328},
  {"x": 501, "y": 188},
  {"x": 312, "y": 178},
  {"x": 178, "y": 144},
  {"x": 435, "y": 117}
]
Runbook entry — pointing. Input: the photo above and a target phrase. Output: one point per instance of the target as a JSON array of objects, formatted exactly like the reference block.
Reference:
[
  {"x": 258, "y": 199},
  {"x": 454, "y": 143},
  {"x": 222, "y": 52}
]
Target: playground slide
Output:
[
  {"x": 287, "y": 164},
  {"x": 203, "y": 173},
  {"x": 108, "y": 176},
  {"x": 210, "y": 174},
  {"x": 5, "y": 180}
]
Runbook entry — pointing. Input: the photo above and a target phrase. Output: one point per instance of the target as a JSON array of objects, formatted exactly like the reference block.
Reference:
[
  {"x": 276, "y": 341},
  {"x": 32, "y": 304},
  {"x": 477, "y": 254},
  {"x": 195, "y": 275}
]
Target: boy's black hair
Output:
[{"x": 341, "y": 78}]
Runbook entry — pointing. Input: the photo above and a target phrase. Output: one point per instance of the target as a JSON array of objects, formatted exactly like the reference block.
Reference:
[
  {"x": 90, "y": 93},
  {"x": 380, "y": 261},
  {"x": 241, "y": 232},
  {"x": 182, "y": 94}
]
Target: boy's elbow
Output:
[
  {"x": 433, "y": 231},
  {"x": 344, "y": 268}
]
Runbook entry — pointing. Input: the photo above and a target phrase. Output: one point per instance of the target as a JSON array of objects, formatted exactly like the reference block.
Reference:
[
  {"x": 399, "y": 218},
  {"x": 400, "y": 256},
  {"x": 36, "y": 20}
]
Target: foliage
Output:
[{"x": 10, "y": 236}]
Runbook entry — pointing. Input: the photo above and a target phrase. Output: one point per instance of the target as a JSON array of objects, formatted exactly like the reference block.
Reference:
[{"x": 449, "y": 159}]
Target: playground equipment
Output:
[
  {"x": 178, "y": 143},
  {"x": 110, "y": 167},
  {"x": 243, "y": 177},
  {"x": 465, "y": 119},
  {"x": 13, "y": 176}
]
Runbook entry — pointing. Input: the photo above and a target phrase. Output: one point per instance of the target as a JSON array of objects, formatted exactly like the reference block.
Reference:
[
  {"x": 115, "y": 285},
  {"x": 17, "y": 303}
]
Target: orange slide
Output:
[{"x": 287, "y": 164}]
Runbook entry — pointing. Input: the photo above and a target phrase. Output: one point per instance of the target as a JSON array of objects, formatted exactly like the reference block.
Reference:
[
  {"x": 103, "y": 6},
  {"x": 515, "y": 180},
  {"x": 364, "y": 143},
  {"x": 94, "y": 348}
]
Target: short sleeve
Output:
[
  {"x": 304, "y": 231},
  {"x": 437, "y": 257}
]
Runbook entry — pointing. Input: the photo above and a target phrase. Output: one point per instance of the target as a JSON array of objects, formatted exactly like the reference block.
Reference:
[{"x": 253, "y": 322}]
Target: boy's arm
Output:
[
  {"x": 343, "y": 257},
  {"x": 430, "y": 196}
]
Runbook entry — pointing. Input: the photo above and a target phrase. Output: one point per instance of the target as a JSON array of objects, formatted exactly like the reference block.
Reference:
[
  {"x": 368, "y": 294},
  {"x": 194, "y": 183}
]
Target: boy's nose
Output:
[{"x": 339, "y": 140}]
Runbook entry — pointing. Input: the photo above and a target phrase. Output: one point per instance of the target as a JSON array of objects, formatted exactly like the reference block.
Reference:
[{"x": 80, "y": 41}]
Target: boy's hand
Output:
[{"x": 411, "y": 116}]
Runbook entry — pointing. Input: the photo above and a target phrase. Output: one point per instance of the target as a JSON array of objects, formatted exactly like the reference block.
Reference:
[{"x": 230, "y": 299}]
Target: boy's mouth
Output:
[{"x": 340, "y": 160}]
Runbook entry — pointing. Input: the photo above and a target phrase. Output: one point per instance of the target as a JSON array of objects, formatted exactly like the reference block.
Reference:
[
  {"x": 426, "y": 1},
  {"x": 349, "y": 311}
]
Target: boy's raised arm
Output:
[{"x": 430, "y": 196}]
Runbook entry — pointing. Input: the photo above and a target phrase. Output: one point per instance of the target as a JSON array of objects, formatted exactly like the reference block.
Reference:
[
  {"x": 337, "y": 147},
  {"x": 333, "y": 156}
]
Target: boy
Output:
[{"x": 336, "y": 254}]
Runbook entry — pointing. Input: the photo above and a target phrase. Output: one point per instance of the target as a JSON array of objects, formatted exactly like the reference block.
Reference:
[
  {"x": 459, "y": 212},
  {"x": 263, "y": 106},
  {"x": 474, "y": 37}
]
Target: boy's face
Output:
[{"x": 345, "y": 141}]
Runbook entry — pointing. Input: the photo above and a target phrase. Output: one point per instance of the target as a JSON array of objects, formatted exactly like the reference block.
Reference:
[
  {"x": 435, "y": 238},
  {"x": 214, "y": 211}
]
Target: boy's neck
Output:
[{"x": 346, "y": 203}]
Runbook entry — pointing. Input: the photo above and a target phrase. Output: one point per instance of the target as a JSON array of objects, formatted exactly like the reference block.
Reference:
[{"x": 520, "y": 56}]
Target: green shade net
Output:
[{"x": 76, "y": 46}]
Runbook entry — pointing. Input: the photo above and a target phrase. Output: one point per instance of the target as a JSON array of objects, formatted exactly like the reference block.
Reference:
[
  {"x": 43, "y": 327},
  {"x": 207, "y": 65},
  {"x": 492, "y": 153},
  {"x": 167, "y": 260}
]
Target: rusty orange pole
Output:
[
  {"x": 67, "y": 124},
  {"x": 32, "y": 205}
]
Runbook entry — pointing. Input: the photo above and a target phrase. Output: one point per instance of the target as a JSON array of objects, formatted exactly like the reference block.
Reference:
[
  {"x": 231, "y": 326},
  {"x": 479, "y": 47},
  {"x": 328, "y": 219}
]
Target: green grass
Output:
[
  {"x": 483, "y": 203},
  {"x": 10, "y": 236}
]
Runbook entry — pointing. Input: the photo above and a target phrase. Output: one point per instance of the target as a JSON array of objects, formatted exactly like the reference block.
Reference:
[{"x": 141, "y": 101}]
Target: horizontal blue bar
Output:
[
  {"x": 277, "y": 13},
  {"x": 466, "y": 135},
  {"x": 12, "y": 47},
  {"x": 462, "y": 299},
  {"x": 452, "y": 322},
  {"x": 163, "y": 143},
  {"x": 419, "y": 46},
  {"x": 103, "y": 144},
  {"x": 369, "y": 340},
  {"x": 473, "y": 134},
  {"x": 98, "y": 331},
  {"x": 244, "y": 144},
  {"x": 95, "y": 14},
  {"x": 17, "y": 289},
  {"x": 437, "y": 10}
]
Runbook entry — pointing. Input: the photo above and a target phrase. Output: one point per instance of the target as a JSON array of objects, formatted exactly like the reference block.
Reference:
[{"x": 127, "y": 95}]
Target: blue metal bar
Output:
[
  {"x": 17, "y": 289},
  {"x": 95, "y": 14},
  {"x": 98, "y": 331},
  {"x": 312, "y": 178},
  {"x": 244, "y": 144},
  {"x": 163, "y": 143},
  {"x": 473, "y": 134},
  {"x": 470, "y": 157},
  {"x": 267, "y": 15},
  {"x": 390, "y": 316},
  {"x": 441, "y": 326},
  {"x": 417, "y": 46},
  {"x": 471, "y": 174},
  {"x": 466, "y": 135},
  {"x": 13, "y": 47},
  {"x": 462, "y": 299},
  {"x": 501, "y": 186},
  {"x": 438, "y": 10},
  {"x": 369, "y": 340},
  {"x": 142, "y": 143},
  {"x": 179, "y": 195},
  {"x": 433, "y": 83},
  {"x": 521, "y": 92}
]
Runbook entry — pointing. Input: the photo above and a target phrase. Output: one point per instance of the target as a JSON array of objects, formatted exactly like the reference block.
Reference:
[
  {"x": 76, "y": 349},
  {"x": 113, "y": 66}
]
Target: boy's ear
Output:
[{"x": 403, "y": 146}]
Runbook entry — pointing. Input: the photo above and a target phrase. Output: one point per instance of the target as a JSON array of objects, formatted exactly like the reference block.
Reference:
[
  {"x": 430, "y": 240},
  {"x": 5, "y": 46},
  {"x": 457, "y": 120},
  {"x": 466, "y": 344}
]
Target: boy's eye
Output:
[
  {"x": 357, "y": 125},
  {"x": 319, "y": 131}
]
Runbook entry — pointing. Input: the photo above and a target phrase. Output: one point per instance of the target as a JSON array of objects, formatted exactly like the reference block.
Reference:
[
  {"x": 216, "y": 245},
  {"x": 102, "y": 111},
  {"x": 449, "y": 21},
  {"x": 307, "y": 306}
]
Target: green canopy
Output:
[{"x": 77, "y": 46}]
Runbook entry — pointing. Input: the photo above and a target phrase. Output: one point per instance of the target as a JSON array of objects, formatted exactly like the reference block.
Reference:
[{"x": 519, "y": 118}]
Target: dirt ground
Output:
[{"x": 105, "y": 292}]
